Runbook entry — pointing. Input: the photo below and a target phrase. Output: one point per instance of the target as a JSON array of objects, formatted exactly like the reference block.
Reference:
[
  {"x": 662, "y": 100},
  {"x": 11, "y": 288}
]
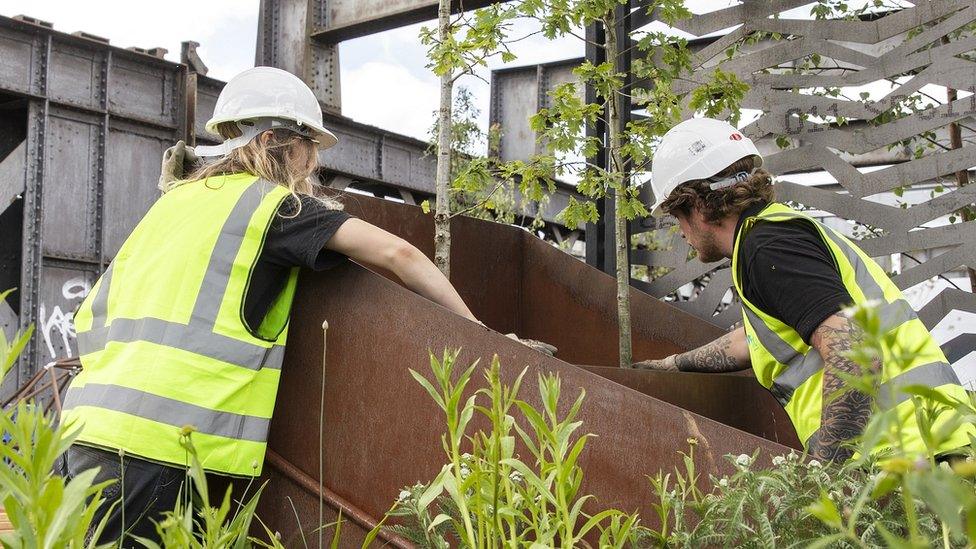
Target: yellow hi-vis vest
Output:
[
  {"x": 793, "y": 371},
  {"x": 162, "y": 337}
]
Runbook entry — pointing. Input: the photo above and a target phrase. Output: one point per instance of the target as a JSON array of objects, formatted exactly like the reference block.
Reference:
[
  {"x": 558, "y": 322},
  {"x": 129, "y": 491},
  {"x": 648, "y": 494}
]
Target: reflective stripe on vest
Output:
[
  {"x": 227, "y": 375},
  {"x": 800, "y": 365},
  {"x": 198, "y": 336}
]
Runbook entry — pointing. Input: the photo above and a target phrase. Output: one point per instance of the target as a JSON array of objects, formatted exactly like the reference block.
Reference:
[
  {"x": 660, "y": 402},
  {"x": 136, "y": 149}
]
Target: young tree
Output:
[
  {"x": 458, "y": 47},
  {"x": 658, "y": 59},
  {"x": 477, "y": 185}
]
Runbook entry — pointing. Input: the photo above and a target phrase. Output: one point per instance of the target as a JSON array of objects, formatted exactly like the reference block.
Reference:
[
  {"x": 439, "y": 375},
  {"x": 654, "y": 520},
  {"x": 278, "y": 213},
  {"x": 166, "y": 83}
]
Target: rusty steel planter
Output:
[{"x": 381, "y": 431}]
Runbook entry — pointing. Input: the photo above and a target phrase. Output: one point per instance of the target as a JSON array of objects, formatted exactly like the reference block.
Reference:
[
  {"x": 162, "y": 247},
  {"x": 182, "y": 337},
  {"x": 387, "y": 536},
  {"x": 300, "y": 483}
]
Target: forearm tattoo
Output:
[
  {"x": 713, "y": 357},
  {"x": 845, "y": 416}
]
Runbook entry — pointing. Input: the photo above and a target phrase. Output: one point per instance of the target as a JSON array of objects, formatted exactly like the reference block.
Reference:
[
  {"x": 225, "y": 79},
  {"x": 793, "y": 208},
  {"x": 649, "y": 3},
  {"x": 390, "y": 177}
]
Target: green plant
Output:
[
  {"x": 9, "y": 351},
  {"x": 891, "y": 499},
  {"x": 487, "y": 495},
  {"x": 44, "y": 510},
  {"x": 196, "y": 523}
]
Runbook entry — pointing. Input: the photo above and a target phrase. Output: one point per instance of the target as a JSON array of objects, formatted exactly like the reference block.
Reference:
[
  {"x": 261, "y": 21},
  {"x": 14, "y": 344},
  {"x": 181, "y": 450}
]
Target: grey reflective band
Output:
[
  {"x": 797, "y": 374},
  {"x": 894, "y": 314},
  {"x": 890, "y": 394},
  {"x": 812, "y": 439},
  {"x": 738, "y": 177},
  {"x": 783, "y": 352},
  {"x": 198, "y": 335},
  {"x": 222, "y": 257},
  {"x": 932, "y": 375},
  {"x": 185, "y": 338},
  {"x": 801, "y": 367},
  {"x": 169, "y": 411},
  {"x": 99, "y": 306}
]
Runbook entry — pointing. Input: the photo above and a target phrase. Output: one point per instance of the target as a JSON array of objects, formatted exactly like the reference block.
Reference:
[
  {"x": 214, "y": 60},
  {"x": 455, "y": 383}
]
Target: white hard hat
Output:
[
  {"x": 698, "y": 148},
  {"x": 267, "y": 97}
]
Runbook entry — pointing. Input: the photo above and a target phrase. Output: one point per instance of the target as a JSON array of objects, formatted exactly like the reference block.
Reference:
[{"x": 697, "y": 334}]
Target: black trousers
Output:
[{"x": 144, "y": 491}]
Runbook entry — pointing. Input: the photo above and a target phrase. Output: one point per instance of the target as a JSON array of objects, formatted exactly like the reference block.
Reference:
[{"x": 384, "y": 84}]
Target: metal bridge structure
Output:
[{"x": 83, "y": 125}]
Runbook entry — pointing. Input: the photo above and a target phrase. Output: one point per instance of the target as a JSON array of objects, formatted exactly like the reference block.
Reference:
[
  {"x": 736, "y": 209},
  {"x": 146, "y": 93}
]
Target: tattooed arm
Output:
[
  {"x": 728, "y": 353},
  {"x": 844, "y": 415}
]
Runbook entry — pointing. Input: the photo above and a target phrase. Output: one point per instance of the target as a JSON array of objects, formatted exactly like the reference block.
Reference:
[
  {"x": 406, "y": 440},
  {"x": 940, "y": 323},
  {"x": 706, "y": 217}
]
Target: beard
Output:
[{"x": 708, "y": 249}]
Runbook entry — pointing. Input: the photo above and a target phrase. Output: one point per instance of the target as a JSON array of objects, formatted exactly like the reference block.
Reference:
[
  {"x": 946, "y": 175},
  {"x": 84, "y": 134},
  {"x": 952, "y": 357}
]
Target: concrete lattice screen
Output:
[{"x": 904, "y": 46}]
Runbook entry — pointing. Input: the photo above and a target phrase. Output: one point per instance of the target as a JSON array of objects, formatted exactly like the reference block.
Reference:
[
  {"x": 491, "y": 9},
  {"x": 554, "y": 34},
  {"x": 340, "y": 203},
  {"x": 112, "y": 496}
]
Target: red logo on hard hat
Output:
[{"x": 736, "y": 137}]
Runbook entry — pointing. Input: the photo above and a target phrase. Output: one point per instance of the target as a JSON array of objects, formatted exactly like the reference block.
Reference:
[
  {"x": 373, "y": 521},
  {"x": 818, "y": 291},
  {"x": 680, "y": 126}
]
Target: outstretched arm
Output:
[
  {"x": 369, "y": 244},
  {"x": 844, "y": 417},
  {"x": 728, "y": 353}
]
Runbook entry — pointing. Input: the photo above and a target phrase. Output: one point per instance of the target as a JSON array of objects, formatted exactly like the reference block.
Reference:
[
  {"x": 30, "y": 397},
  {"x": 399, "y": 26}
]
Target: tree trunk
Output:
[
  {"x": 621, "y": 242},
  {"x": 442, "y": 211},
  {"x": 962, "y": 176}
]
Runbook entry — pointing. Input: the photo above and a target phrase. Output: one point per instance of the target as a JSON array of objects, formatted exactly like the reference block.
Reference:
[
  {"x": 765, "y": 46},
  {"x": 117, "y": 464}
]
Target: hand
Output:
[
  {"x": 175, "y": 161},
  {"x": 662, "y": 365},
  {"x": 542, "y": 347}
]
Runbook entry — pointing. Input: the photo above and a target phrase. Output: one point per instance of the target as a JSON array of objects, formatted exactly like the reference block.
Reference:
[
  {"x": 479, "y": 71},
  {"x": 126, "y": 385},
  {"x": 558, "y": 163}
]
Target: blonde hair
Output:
[{"x": 287, "y": 159}]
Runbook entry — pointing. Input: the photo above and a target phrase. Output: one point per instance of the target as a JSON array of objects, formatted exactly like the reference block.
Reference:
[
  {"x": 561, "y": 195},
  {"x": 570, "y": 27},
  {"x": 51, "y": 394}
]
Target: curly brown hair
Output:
[{"x": 718, "y": 204}]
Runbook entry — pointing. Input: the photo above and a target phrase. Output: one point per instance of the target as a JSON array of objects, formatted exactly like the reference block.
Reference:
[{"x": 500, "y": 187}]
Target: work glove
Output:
[
  {"x": 178, "y": 160},
  {"x": 661, "y": 365},
  {"x": 542, "y": 347}
]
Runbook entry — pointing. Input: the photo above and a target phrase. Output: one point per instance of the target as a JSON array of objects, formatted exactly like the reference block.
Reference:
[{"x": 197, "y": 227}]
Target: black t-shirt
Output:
[
  {"x": 788, "y": 272},
  {"x": 292, "y": 241}
]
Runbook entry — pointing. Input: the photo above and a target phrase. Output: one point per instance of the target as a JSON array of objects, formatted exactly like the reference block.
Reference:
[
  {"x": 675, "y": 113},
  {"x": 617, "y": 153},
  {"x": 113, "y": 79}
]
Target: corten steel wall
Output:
[
  {"x": 381, "y": 430},
  {"x": 852, "y": 53}
]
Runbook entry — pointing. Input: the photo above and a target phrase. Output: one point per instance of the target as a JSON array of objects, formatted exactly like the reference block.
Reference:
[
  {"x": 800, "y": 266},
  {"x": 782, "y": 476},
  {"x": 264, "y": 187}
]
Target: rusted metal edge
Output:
[{"x": 335, "y": 501}]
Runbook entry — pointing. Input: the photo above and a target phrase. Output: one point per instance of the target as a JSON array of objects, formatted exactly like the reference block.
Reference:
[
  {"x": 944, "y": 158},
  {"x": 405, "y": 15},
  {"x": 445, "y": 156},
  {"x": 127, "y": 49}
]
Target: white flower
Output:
[
  {"x": 791, "y": 456},
  {"x": 724, "y": 483},
  {"x": 743, "y": 460},
  {"x": 465, "y": 472},
  {"x": 516, "y": 477},
  {"x": 778, "y": 460},
  {"x": 813, "y": 464},
  {"x": 404, "y": 494}
]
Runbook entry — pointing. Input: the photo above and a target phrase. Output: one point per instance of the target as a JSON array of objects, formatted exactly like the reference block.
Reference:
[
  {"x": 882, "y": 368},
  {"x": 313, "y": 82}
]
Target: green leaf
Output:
[
  {"x": 885, "y": 484},
  {"x": 825, "y": 510},
  {"x": 429, "y": 388},
  {"x": 437, "y": 520},
  {"x": 946, "y": 494},
  {"x": 434, "y": 489}
]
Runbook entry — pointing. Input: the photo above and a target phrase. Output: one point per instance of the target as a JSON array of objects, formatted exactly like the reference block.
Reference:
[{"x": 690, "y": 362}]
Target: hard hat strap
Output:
[
  {"x": 737, "y": 177},
  {"x": 249, "y": 130}
]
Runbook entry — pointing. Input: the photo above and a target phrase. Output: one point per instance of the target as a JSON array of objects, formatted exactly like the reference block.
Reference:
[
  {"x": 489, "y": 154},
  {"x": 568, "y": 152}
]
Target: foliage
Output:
[
  {"x": 43, "y": 509},
  {"x": 484, "y": 187},
  {"x": 10, "y": 350},
  {"x": 487, "y": 495},
  {"x": 473, "y": 39},
  {"x": 890, "y": 499},
  {"x": 46, "y": 511},
  {"x": 195, "y": 523}
]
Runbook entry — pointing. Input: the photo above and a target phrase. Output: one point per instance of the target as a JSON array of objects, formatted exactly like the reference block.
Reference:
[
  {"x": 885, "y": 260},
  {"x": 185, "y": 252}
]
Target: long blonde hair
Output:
[{"x": 287, "y": 159}]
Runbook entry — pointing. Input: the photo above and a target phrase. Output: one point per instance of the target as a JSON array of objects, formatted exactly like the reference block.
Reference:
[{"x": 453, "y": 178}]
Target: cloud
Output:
[{"x": 389, "y": 96}]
